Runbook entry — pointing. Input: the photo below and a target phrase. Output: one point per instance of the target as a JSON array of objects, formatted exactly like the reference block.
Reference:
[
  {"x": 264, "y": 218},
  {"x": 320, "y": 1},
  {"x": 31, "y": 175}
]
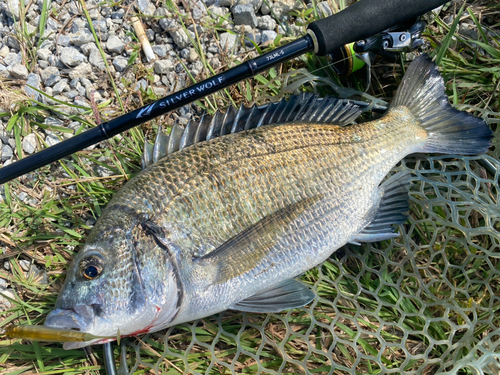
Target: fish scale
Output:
[
  {"x": 230, "y": 221},
  {"x": 294, "y": 169}
]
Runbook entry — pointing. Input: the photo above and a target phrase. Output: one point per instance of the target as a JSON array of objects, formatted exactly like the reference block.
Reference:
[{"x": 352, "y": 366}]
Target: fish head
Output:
[{"x": 111, "y": 289}]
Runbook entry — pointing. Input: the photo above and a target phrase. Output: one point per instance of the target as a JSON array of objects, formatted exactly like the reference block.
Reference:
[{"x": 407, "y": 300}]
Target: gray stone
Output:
[
  {"x": 86, "y": 48},
  {"x": 4, "y": 136},
  {"x": 219, "y": 14},
  {"x": 81, "y": 37},
  {"x": 18, "y": 71},
  {"x": 256, "y": 4},
  {"x": 212, "y": 48},
  {"x": 6, "y": 153},
  {"x": 90, "y": 222},
  {"x": 150, "y": 34},
  {"x": 85, "y": 82},
  {"x": 161, "y": 50},
  {"x": 52, "y": 24},
  {"x": 96, "y": 60},
  {"x": 43, "y": 64},
  {"x": 184, "y": 53},
  {"x": 227, "y": 41},
  {"x": 5, "y": 297},
  {"x": 115, "y": 44},
  {"x": 193, "y": 55},
  {"x": 63, "y": 40},
  {"x": 82, "y": 70},
  {"x": 468, "y": 31},
  {"x": 43, "y": 54},
  {"x": 25, "y": 264},
  {"x": 75, "y": 83},
  {"x": 47, "y": 44},
  {"x": 146, "y": 7},
  {"x": 71, "y": 57},
  {"x": 12, "y": 58},
  {"x": 52, "y": 121},
  {"x": 78, "y": 24},
  {"x": 72, "y": 94},
  {"x": 52, "y": 80},
  {"x": 52, "y": 139},
  {"x": 244, "y": 15},
  {"x": 264, "y": 9},
  {"x": 324, "y": 7},
  {"x": 199, "y": 10},
  {"x": 163, "y": 66},
  {"x": 160, "y": 91},
  {"x": 141, "y": 84},
  {"x": 282, "y": 8},
  {"x": 180, "y": 38},
  {"x": 118, "y": 15},
  {"x": 76, "y": 126},
  {"x": 266, "y": 23},
  {"x": 11, "y": 8},
  {"x": 34, "y": 81},
  {"x": 120, "y": 63},
  {"x": 29, "y": 144},
  {"x": 93, "y": 12},
  {"x": 4, "y": 51},
  {"x": 169, "y": 24},
  {"x": 12, "y": 42},
  {"x": 251, "y": 38},
  {"x": 100, "y": 26},
  {"x": 225, "y": 3},
  {"x": 60, "y": 87},
  {"x": 47, "y": 72},
  {"x": 268, "y": 37}
]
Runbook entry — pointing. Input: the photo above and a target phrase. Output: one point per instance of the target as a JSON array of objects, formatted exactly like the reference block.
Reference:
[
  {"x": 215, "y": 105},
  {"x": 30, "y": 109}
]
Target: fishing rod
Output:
[{"x": 361, "y": 20}]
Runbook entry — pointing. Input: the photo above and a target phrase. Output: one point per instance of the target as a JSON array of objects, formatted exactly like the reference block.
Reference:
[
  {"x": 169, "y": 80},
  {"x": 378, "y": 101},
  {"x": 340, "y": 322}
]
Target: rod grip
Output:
[{"x": 365, "y": 18}]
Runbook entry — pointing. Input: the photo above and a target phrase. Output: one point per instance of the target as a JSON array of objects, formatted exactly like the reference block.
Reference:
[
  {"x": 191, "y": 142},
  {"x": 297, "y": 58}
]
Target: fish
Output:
[{"x": 228, "y": 214}]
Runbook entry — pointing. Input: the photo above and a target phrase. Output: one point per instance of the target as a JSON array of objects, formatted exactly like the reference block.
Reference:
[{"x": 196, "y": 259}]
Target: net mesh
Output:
[{"x": 423, "y": 303}]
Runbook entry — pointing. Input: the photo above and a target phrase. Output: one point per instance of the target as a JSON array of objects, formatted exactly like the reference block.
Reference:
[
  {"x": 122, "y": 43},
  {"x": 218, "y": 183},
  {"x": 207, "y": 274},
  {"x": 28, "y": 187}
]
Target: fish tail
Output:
[{"x": 449, "y": 131}]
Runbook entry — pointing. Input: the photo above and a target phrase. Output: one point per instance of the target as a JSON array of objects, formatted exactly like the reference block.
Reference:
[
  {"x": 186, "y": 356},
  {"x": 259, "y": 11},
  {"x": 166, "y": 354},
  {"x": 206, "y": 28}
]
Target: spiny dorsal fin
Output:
[{"x": 299, "y": 108}]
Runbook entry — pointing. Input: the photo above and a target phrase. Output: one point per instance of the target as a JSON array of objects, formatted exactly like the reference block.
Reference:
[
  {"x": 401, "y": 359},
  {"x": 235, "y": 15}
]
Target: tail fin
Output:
[{"x": 450, "y": 131}]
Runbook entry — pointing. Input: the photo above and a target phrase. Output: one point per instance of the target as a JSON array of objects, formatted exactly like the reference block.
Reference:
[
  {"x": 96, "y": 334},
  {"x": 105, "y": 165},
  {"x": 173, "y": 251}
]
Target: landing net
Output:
[{"x": 423, "y": 303}]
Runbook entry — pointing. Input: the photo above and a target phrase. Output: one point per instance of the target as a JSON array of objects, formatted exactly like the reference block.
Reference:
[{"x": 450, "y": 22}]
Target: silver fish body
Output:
[{"x": 228, "y": 223}]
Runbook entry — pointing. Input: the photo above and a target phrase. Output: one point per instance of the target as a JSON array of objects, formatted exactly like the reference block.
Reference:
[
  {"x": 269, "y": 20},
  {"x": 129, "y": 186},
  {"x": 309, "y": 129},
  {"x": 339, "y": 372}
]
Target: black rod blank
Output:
[
  {"x": 158, "y": 108},
  {"x": 362, "y": 19}
]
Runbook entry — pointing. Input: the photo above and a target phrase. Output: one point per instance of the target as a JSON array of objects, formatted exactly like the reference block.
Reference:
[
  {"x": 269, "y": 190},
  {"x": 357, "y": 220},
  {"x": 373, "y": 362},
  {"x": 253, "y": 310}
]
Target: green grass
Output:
[{"x": 368, "y": 296}]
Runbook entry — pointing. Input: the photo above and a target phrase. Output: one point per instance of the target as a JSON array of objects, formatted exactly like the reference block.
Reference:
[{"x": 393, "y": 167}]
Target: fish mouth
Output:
[{"x": 79, "y": 318}]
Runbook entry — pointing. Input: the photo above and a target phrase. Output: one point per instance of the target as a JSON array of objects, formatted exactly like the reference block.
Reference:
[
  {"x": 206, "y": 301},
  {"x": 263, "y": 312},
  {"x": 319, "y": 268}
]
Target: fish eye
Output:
[
  {"x": 91, "y": 267},
  {"x": 91, "y": 272}
]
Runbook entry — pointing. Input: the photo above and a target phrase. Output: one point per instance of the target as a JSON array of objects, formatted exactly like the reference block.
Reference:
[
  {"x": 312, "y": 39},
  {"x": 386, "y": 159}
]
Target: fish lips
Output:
[{"x": 79, "y": 318}]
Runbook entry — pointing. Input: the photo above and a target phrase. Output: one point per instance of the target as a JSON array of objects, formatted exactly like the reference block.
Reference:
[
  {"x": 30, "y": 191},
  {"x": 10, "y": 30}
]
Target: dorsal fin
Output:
[{"x": 299, "y": 108}]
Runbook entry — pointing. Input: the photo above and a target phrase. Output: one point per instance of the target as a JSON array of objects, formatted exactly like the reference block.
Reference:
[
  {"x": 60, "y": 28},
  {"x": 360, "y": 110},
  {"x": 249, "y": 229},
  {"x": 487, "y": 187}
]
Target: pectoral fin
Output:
[
  {"x": 244, "y": 251},
  {"x": 288, "y": 294}
]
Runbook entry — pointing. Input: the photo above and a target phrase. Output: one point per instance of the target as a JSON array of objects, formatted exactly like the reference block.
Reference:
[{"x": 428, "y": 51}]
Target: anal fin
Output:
[
  {"x": 392, "y": 210},
  {"x": 288, "y": 294}
]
